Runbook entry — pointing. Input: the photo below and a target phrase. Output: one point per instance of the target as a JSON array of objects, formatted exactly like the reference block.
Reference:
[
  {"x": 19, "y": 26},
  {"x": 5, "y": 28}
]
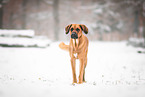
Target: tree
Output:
[
  {"x": 139, "y": 12},
  {"x": 55, "y": 5},
  {"x": 1, "y": 13},
  {"x": 143, "y": 15},
  {"x": 24, "y": 4},
  {"x": 2, "y": 2},
  {"x": 56, "y": 18}
]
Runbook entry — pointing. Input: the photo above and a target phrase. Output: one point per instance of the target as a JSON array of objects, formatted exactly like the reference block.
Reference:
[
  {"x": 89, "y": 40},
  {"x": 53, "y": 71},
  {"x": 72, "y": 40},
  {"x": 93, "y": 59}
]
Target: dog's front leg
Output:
[
  {"x": 81, "y": 71},
  {"x": 73, "y": 65}
]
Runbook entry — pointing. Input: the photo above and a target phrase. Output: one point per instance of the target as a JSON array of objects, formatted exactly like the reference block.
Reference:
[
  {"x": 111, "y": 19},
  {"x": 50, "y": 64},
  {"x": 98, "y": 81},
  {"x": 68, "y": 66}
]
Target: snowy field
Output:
[{"x": 113, "y": 70}]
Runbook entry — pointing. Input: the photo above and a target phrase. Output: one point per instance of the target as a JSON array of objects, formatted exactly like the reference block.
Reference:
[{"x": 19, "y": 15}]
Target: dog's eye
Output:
[
  {"x": 77, "y": 29},
  {"x": 72, "y": 29}
]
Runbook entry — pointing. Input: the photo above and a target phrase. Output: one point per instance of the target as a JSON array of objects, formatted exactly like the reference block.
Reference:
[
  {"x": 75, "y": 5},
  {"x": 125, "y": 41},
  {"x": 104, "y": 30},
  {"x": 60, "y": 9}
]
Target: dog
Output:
[{"x": 78, "y": 49}]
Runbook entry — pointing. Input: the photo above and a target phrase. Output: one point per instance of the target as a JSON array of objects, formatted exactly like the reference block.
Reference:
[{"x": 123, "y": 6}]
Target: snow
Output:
[
  {"x": 136, "y": 40},
  {"x": 119, "y": 25},
  {"x": 41, "y": 42},
  {"x": 17, "y": 32},
  {"x": 102, "y": 27},
  {"x": 23, "y": 38},
  {"x": 114, "y": 70},
  {"x": 98, "y": 11}
]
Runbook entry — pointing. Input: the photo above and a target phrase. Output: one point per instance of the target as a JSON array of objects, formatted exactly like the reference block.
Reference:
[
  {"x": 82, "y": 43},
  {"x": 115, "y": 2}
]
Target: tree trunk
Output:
[
  {"x": 38, "y": 22},
  {"x": 24, "y": 4},
  {"x": 1, "y": 14},
  {"x": 144, "y": 30},
  {"x": 143, "y": 12},
  {"x": 136, "y": 23},
  {"x": 56, "y": 19}
]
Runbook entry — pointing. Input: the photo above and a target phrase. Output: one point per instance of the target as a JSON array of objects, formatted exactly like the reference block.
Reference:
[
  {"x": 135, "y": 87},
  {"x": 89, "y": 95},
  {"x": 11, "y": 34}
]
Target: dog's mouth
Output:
[{"x": 74, "y": 35}]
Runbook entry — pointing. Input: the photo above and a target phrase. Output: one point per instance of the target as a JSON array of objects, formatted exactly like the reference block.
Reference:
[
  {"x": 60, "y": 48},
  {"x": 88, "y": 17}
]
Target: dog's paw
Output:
[
  {"x": 84, "y": 81},
  {"x": 80, "y": 82},
  {"x": 74, "y": 83}
]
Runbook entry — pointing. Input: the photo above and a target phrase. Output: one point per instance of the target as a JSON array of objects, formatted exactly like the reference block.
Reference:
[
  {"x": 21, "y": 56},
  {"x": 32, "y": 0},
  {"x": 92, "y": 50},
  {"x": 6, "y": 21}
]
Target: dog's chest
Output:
[
  {"x": 75, "y": 43},
  {"x": 75, "y": 55}
]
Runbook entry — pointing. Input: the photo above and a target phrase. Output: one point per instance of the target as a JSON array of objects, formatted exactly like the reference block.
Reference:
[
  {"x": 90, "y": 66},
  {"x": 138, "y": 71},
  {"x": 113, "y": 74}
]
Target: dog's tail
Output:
[{"x": 64, "y": 46}]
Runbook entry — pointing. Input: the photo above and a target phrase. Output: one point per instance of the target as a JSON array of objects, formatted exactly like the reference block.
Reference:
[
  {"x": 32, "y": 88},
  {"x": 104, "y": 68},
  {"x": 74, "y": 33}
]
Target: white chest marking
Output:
[
  {"x": 75, "y": 41},
  {"x": 76, "y": 55}
]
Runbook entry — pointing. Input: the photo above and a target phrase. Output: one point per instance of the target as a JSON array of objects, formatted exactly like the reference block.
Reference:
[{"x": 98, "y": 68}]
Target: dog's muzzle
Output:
[{"x": 74, "y": 35}]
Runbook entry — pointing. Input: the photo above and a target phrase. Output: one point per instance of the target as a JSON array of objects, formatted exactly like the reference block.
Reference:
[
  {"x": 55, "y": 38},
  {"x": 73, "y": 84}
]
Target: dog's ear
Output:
[
  {"x": 67, "y": 28},
  {"x": 84, "y": 28}
]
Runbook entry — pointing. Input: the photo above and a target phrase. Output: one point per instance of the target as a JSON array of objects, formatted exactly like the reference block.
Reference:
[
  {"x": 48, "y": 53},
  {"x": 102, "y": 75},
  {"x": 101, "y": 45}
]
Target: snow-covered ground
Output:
[
  {"x": 113, "y": 70},
  {"x": 22, "y": 38}
]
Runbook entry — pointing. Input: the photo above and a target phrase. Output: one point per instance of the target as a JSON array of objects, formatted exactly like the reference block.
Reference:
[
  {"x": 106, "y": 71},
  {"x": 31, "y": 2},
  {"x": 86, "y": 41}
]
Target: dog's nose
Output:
[{"x": 74, "y": 35}]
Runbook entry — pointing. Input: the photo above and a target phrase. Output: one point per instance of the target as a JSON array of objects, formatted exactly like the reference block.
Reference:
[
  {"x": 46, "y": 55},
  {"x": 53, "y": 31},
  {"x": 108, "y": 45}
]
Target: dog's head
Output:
[{"x": 76, "y": 30}]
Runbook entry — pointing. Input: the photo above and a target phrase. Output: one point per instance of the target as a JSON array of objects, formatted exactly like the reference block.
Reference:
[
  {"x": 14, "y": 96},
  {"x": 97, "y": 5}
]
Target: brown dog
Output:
[{"x": 77, "y": 48}]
